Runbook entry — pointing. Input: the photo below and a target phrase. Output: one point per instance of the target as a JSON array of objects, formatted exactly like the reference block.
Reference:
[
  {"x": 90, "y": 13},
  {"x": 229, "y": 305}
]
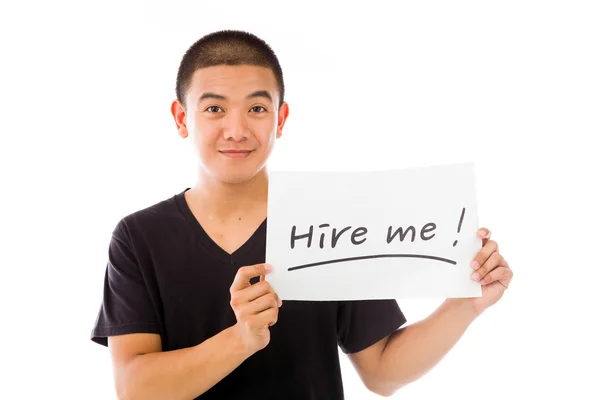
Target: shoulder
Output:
[{"x": 157, "y": 219}]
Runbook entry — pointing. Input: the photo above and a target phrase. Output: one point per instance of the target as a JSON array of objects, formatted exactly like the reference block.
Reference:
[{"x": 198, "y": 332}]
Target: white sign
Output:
[{"x": 408, "y": 233}]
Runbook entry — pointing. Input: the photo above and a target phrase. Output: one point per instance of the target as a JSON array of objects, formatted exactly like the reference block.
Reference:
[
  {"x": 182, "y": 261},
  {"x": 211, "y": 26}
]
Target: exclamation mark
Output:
[{"x": 462, "y": 215}]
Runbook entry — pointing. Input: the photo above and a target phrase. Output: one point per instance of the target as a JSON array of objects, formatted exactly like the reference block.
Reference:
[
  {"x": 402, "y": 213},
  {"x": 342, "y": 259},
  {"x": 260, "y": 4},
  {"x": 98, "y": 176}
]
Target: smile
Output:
[{"x": 236, "y": 153}]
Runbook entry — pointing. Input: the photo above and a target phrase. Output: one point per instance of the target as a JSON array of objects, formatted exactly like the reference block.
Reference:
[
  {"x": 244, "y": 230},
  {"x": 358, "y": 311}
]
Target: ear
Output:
[
  {"x": 284, "y": 111},
  {"x": 178, "y": 113}
]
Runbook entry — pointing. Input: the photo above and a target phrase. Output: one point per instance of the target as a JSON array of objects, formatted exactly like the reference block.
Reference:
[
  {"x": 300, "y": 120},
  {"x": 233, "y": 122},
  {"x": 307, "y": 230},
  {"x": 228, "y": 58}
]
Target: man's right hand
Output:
[{"x": 256, "y": 307}]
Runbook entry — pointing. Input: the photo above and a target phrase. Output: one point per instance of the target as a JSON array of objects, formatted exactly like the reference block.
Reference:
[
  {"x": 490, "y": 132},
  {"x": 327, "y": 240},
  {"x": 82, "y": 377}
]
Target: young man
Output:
[{"x": 186, "y": 311}]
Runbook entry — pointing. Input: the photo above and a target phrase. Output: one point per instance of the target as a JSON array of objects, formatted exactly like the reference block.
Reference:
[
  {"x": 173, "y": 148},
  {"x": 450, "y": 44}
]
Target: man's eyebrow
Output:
[
  {"x": 210, "y": 95},
  {"x": 258, "y": 93}
]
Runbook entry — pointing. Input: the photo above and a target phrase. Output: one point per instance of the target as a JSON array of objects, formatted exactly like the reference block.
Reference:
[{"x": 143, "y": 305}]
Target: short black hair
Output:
[{"x": 226, "y": 47}]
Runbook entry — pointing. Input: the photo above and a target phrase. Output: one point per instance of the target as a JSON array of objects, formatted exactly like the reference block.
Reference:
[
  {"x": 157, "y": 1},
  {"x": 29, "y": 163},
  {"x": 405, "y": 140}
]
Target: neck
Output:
[{"x": 225, "y": 201}]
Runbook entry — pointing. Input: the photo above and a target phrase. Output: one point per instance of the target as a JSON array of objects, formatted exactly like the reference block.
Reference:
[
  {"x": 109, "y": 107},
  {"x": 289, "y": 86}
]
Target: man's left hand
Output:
[{"x": 491, "y": 270}]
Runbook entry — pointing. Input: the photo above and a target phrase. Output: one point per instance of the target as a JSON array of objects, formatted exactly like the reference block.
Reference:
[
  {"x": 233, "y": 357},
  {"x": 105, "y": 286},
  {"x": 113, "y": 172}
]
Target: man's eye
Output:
[
  {"x": 255, "y": 107},
  {"x": 213, "y": 109}
]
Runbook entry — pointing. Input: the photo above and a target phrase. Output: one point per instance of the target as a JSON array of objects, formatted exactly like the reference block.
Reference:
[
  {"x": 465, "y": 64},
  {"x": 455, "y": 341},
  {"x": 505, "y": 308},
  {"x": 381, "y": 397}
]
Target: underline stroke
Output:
[{"x": 373, "y": 256}]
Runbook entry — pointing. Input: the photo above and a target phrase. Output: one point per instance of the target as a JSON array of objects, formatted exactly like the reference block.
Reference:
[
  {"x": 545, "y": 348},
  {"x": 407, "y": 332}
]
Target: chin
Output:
[
  {"x": 235, "y": 177},
  {"x": 234, "y": 171}
]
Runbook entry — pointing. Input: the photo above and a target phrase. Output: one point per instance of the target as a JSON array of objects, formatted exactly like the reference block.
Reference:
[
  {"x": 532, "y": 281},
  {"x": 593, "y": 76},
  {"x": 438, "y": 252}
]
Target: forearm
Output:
[
  {"x": 182, "y": 374},
  {"x": 412, "y": 351}
]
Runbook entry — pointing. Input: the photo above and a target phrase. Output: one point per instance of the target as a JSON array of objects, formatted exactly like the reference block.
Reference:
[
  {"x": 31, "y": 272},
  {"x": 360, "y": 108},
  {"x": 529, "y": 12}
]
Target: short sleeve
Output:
[
  {"x": 361, "y": 323},
  {"x": 126, "y": 305}
]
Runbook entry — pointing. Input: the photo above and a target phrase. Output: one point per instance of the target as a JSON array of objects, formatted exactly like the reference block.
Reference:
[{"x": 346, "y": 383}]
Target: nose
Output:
[{"x": 236, "y": 127}]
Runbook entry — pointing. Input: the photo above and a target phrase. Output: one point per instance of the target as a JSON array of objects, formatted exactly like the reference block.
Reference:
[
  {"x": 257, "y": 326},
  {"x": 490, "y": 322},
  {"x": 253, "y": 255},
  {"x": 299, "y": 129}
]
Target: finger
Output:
[
  {"x": 502, "y": 275},
  {"x": 279, "y": 301},
  {"x": 253, "y": 292},
  {"x": 484, "y": 234},
  {"x": 486, "y": 251},
  {"x": 492, "y": 262},
  {"x": 268, "y": 317},
  {"x": 261, "y": 304},
  {"x": 244, "y": 274}
]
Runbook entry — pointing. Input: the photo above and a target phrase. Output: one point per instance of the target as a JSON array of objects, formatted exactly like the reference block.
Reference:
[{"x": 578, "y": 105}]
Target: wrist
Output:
[
  {"x": 237, "y": 343},
  {"x": 464, "y": 307}
]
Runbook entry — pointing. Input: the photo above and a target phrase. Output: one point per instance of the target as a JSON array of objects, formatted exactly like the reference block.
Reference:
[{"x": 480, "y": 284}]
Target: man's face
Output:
[{"x": 233, "y": 118}]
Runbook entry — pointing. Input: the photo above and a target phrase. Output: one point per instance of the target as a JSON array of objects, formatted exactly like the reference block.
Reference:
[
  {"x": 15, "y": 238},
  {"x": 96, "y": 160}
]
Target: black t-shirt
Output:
[{"x": 165, "y": 275}]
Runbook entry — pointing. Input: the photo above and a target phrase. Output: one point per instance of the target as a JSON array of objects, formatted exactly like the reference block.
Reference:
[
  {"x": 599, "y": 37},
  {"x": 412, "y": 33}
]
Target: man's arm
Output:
[
  {"x": 143, "y": 371},
  {"x": 410, "y": 352}
]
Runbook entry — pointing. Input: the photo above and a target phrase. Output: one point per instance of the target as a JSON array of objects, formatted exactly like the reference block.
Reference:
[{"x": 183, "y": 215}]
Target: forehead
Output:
[{"x": 233, "y": 80}]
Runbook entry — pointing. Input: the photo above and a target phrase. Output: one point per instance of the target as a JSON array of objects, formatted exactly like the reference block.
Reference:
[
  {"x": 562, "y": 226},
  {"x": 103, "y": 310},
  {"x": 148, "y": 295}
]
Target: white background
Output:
[{"x": 87, "y": 137}]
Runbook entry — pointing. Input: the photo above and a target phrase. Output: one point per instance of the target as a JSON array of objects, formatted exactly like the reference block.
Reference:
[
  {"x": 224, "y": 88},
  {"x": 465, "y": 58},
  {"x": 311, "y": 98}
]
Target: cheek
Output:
[
  {"x": 268, "y": 132},
  {"x": 205, "y": 133}
]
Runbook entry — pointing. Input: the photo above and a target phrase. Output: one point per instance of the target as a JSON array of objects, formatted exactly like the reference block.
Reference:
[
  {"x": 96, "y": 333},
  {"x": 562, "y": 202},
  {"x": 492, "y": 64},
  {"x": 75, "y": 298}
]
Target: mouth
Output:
[{"x": 235, "y": 153}]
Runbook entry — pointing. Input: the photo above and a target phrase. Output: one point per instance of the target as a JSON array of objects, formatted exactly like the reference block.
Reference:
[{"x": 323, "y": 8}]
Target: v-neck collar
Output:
[{"x": 211, "y": 246}]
